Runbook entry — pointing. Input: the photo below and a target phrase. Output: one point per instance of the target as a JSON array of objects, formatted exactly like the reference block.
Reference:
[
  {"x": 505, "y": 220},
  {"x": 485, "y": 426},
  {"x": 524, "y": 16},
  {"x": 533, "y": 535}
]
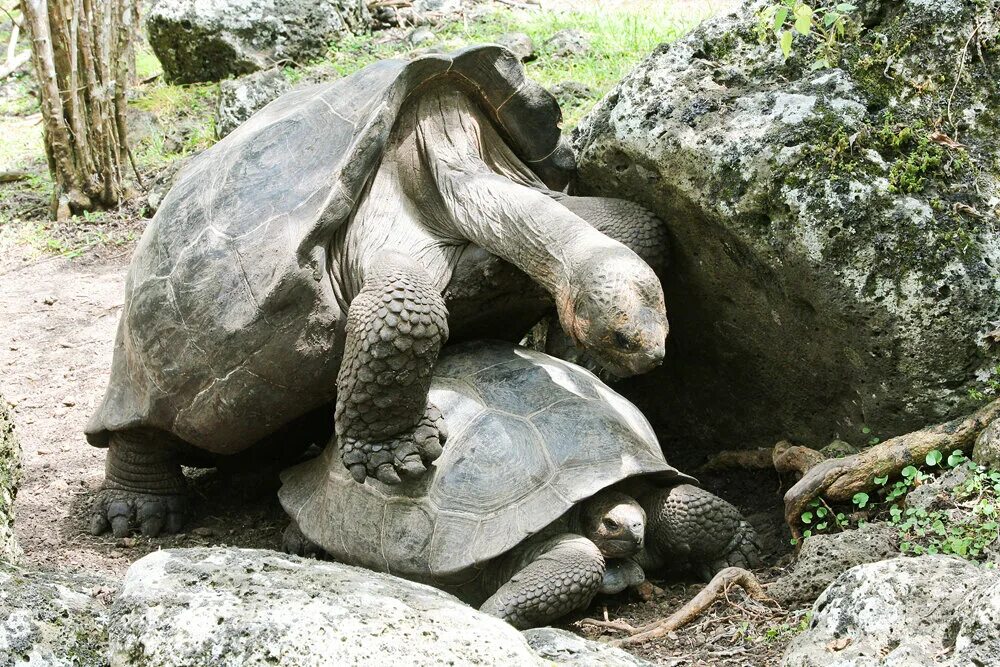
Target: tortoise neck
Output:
[{"x": 471, "y": 186}]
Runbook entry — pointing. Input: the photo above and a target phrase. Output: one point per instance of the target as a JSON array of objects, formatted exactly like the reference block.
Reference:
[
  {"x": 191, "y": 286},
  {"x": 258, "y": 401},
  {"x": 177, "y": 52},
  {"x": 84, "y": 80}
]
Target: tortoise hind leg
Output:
[
  {"x": 690, "y": 524},
  {"x": 555, "y": 577},
  {"x": 144, "y": 489}
]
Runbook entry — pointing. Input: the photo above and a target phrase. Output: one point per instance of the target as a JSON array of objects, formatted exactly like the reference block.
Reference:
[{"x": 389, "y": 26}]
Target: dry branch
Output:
[
  {"x": 839, "y": 479},
  {"x": 717, "y": 588}
]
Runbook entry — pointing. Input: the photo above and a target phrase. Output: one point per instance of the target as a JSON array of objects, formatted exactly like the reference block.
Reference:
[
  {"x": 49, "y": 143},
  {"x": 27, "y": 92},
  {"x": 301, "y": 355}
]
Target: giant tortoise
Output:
[
  {"x": 310, "y": 259},
  {"x": 552, "y": 487}
]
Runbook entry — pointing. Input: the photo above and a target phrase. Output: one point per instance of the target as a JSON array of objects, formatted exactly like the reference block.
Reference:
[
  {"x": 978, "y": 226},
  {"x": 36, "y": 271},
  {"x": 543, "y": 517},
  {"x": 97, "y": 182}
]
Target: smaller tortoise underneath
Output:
[{"x": 552, "y": 488}]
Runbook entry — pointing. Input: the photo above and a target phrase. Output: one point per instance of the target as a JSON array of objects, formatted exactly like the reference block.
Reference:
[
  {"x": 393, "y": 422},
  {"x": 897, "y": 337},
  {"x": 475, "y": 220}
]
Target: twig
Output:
[
  {"x": 14, "y": 64},
  {"x": 958, "y": 77},
  {"x": 13, "y": 176},
  {"x": 718, "y": 587}
]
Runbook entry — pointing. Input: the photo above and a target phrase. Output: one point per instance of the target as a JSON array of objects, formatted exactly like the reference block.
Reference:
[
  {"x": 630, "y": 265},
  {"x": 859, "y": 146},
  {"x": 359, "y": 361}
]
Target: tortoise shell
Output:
[
  {"x": 530, "y": 435},
  {"x": 233, "y": 325}
]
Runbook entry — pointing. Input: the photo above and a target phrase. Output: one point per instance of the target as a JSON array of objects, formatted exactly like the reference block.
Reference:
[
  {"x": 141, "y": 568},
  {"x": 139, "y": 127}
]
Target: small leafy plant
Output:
[{"x": 827, "y": 24}]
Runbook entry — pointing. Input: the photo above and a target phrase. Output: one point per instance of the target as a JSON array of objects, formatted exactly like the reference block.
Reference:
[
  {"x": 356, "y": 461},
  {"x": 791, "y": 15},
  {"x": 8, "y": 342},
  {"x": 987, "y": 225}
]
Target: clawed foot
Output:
[
  {"x": 405, "y": 456},
  {"x": 127, "y": 512},
  {"x": 295, "y": 543}
]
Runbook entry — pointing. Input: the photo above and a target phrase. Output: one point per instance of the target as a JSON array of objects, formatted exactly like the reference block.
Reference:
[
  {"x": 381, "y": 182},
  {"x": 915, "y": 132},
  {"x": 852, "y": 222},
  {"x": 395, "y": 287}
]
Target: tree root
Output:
[
  {"x": 717, "y": 588},
  {"x": 839, "y": 479},
  {"x": 783, "y": 457}
]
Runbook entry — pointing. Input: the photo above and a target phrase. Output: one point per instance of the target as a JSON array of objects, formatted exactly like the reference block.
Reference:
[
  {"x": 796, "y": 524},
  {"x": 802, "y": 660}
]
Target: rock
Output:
[
  {"x": 420, "y": 36},
  {"x": 824, "y": 557},
  {"x": 209, "y": 40},
  {"x": 240, "y": 98},
  {"x": 937, "y": 494},
  {"x": 905, "y": 612},
  {"x": 821, "y": 285},
  {"x": 566, "y": 43},
  {"x": 161, "y": 185},
  {"x": 565, "y": 648},
  {"x": 520, "y": 44},
  {"x": 838, "y": 449},
  {"x": 10, "y": 478},
  {"x": 231, "y": 606},
  {"x": 986, "y": 451},
  {"x": 437, "y": 6},
  {"x": 571, "y": 92},
  {"x": 53, "y": 619}
]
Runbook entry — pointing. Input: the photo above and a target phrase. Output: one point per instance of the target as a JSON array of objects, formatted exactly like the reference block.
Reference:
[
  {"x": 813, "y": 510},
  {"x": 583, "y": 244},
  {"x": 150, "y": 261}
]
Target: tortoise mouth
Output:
[{"x": 620, "y": 547}]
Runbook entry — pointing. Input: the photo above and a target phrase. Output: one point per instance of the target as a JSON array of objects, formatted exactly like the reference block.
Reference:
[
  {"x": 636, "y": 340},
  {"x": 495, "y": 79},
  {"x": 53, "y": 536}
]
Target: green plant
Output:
[
  {"x": 827, "y": 24},
  {"x": 967, "y": 523}
]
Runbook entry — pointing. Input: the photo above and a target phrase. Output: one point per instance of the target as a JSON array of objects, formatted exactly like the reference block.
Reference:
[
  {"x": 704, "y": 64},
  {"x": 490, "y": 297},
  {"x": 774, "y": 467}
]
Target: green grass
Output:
[{"x": 618, "y": 40}]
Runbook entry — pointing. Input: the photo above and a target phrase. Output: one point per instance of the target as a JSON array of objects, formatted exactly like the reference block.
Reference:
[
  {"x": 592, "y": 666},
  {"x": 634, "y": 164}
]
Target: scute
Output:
[
  {"x": 497, "y": 461},
  {"x": 502, "y": 477}
]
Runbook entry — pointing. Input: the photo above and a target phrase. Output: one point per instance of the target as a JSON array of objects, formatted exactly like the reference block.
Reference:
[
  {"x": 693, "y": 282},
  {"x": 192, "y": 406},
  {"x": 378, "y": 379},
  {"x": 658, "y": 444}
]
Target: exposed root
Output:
[
  {"x": 839, "y": 479},
  {"x": 783, "y": 457},
  {"x": 717, "y": 588}
]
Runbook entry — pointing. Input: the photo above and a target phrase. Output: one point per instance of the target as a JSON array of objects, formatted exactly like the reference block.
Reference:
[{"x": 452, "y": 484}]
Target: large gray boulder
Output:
[
  {"x": 904, "y": 612},
  {"x": 53, "y": 619},
  {"x": 10, "y": 477},
  {"x": 834, "y": 261},
  {"x": 209, "y": 40},
  {"x": 222, "y": 607}
]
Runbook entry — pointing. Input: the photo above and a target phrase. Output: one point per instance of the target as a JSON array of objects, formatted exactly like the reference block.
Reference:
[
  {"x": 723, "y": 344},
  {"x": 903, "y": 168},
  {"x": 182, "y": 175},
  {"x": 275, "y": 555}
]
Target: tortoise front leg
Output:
[
  {"x": 551, "y": 579},
  {"x": 687, "y": 523},
  {"x": 396, "y": 326}
]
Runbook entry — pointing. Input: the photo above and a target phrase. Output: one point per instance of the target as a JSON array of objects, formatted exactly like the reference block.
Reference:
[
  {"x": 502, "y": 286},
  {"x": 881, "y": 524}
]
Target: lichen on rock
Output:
[
  {"x": 835, "y": 232},
  {"x": 10, "y": 478}
]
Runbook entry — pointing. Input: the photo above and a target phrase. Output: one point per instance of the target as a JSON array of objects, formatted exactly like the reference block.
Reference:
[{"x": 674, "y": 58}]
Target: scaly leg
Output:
[
  {"x": 688, "y": 523},
  {"x": 555, "y": 577},
  {"x": 144, "y": 488},
  {"x": 396, "y": 326}
]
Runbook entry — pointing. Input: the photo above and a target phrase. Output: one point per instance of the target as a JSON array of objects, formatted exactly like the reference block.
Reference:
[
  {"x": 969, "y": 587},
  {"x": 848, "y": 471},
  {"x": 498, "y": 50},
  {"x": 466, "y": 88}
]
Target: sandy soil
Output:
[{"x": 56, "y": 338}]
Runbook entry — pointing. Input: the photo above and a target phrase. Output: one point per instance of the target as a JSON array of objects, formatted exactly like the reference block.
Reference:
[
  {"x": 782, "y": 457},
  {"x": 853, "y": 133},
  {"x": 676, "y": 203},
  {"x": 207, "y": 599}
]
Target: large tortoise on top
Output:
[
  {"x": 311, "y": 259},
  {"x": 552, "y": 488}
]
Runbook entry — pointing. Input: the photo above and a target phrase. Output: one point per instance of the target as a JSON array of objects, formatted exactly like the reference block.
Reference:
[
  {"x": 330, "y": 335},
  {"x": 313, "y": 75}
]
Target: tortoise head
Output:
[
  {"x": 614, "y": 310},
  {"x": 615, "y": 522}
]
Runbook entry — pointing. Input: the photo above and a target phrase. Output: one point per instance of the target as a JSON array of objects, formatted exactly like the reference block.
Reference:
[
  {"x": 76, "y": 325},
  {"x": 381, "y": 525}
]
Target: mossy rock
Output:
[
  {"x": 53, "y": 618},
  {"x": 836, "y": 259}
]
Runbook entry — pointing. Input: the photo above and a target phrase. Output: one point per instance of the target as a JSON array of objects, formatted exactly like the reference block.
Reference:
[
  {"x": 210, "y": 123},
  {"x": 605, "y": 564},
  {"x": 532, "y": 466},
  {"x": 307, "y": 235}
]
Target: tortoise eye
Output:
[
  {"x": 610, "y": 524},
  {"x": 625, "y": 341}
]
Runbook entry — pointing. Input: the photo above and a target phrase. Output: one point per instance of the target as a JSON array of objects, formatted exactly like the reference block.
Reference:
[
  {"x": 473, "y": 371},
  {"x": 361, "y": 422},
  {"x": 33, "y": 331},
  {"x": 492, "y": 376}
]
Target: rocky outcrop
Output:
[
  {"x": 53, "y": 619},
  {"x": 10, "y": 477},
  {"x": 835, "y": 251},
  {"x": 220, "y": 607},
  {"x": 824, "y": 557},
  {"x": 242, "y": 97},
  {"x": 931, "y": 610},
  {"x": 209, "y": 40}
]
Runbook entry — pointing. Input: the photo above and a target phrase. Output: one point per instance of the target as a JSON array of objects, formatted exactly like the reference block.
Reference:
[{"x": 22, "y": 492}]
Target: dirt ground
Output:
[{"x": 56, "y": 338}]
